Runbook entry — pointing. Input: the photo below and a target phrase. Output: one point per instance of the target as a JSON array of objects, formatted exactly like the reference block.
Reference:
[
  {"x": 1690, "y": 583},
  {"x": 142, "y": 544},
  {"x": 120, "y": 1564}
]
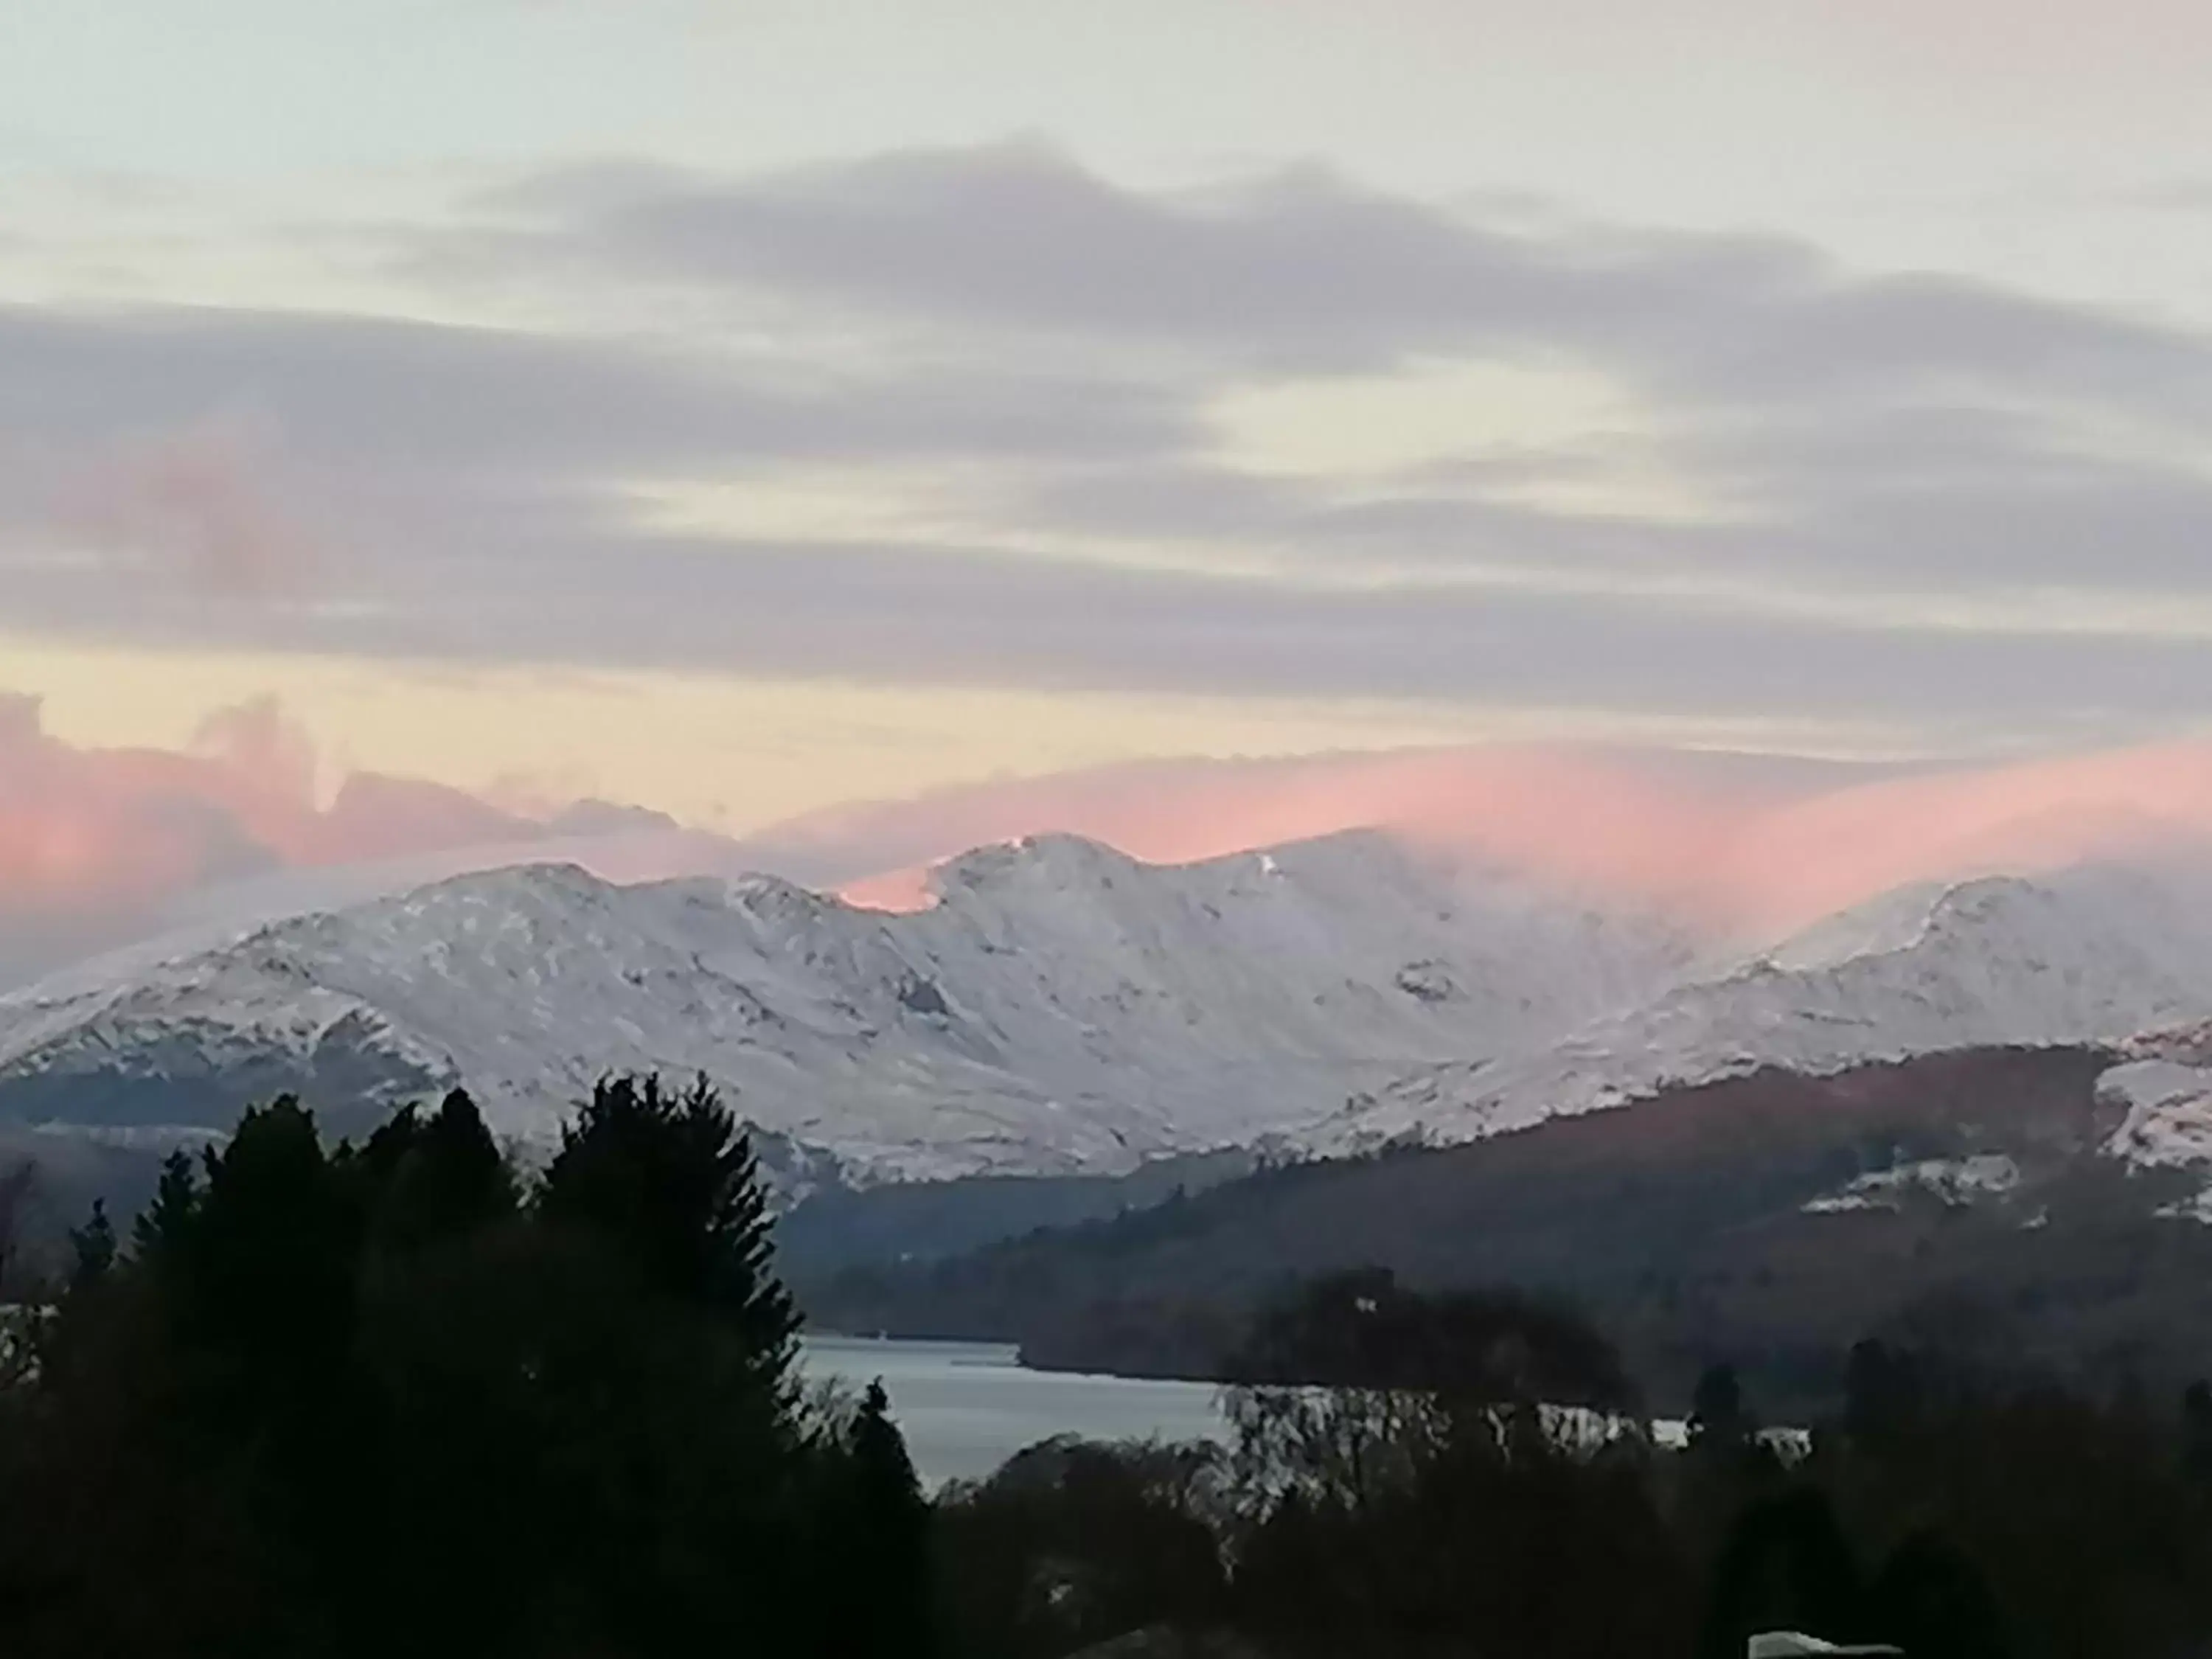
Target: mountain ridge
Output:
[
  {"x": 1061, "y": 1007},
  {"x": 2093, "y": 954}
]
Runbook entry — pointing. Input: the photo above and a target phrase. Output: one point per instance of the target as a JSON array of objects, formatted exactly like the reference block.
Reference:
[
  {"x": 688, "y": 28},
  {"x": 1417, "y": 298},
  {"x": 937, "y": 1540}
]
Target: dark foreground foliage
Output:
[
  {"x": 1398, "y": 1486},
  {"x": 393, "y": 1398},
  {"x": 399, "y": 1397}
]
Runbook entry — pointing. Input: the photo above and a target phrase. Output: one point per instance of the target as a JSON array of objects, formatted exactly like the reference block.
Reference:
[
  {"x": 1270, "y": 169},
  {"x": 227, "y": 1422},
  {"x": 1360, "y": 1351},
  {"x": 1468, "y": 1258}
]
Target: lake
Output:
[{"x": 965, "y": 1407}]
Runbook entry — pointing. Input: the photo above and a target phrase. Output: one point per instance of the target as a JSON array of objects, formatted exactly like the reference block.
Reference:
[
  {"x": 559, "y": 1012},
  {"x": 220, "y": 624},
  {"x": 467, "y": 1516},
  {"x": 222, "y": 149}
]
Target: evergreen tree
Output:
[
  {"x": 92, "y": 1248},
  {"x": 269, "y": 1248},
  {"x": 1719, "y": 1419},
  {"x": 670, "y": 1183},
  {"x": 435, "y": 1178},
  {"x": 163, "y": 1224},
  {"x": 1787, "y": 1565},
  {"x": 884, "y": 1546},
  {"x": 18, "y": 1180}
]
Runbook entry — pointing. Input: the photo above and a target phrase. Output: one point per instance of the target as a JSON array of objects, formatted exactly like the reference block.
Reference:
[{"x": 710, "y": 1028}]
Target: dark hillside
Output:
[
  {"x": 1678, "y": 1222},
  {"x": 839, "y": 1227}
]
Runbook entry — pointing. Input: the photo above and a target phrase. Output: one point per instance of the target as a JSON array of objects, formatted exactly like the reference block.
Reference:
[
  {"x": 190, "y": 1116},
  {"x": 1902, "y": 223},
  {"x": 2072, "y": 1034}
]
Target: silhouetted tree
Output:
[
  {"x": 163, "y": 1222},
  {"x": 1786, "y": 1565},
  {"x": 437, "y": 1177},
  {"x": 885, "y": 1608},
  {"x": 1407, "y": 1465},
  {"x": 669, "y": 1182},
  {"x": 92, "y": 1248},
  {"x": 1719, "y": 1418},
  {"x": 17, "y": 1182},
  {"x": 1362, "y": 1329},
  {"x": 1073, "y": 1543},
  {"x": 1928, "y": 1598}
]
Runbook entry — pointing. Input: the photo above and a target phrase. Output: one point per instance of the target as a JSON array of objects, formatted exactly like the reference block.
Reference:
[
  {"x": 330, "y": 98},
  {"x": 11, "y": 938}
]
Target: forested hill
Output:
[{"x": 1769, "y": 1219}]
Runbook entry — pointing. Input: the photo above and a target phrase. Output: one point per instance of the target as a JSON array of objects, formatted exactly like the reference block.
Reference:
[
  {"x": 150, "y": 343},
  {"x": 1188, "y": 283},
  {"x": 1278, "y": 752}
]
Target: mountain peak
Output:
[
  {"x": 1065, "y": 860},
  {"x": 551, "y": 877},
  {"x": 1908, "y": 917}
]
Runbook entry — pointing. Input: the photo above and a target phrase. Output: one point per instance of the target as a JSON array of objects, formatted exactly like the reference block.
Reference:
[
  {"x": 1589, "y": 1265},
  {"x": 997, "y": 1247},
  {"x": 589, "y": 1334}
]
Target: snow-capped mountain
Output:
[
  {"x": 1061, "y": 1007},
  {"x": 2091, "y": 955}
]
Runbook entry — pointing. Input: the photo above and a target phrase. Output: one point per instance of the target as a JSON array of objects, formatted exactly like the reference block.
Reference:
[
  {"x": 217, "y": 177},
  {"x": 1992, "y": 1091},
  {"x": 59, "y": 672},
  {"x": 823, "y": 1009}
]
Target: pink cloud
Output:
[
  {"x": 1796, "y": 862},
  {"x": 99, "y": 845},
  {"x": 1626, "y": 823},
  {"x": 92, "y": 831},
  {"x": 1745, "y": 847}
]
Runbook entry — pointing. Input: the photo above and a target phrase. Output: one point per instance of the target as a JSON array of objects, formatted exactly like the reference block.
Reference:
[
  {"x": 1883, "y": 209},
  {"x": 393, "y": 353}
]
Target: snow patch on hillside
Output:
[
  {"x": 1954, "y": 1180},
  {"x": 2163, "y": 1088}
]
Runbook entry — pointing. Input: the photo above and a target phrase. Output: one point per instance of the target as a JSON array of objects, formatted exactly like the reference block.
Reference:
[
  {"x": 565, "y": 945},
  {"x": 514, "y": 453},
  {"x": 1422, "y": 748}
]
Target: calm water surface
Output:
[{"x": 965, "y": 1407}]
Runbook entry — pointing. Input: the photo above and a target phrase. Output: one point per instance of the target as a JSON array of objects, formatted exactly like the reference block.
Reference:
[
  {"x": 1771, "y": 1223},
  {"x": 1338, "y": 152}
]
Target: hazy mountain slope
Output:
[
  {"x": 2090, "y": 955},
  {"x": 1061, "y": 1007}
]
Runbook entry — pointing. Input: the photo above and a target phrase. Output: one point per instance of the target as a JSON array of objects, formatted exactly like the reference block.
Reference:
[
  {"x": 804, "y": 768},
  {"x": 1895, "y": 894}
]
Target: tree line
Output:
[
  {"x": 1471, "y": 1475},
  {"x": 402, "y": 1395}
]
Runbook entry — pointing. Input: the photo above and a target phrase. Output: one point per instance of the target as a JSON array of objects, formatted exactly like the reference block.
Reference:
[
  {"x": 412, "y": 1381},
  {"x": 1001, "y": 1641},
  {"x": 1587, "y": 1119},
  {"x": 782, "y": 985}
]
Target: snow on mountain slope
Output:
[
  {"x": 1064, "y": 1007},
  {"x": 2093, "y": 954},
  {"x": 1061, "y": 1007},
  {"x": 1954, "y": 1180},
  {"x": 2163, "y": 1087}
]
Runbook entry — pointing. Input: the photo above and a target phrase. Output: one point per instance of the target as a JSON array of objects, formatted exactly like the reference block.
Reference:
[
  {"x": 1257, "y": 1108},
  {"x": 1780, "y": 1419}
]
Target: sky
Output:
[{"x": 738, "y": 408}]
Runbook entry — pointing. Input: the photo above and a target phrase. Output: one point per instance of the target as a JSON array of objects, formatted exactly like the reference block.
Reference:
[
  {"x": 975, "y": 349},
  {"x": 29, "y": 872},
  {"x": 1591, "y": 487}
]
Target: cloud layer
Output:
[
  {"x": 971, "y": 417},
  {"x": 100, "y": 847},
  {"x": 104, "y": 846},
  {"x": 1745, "y": 849}
]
